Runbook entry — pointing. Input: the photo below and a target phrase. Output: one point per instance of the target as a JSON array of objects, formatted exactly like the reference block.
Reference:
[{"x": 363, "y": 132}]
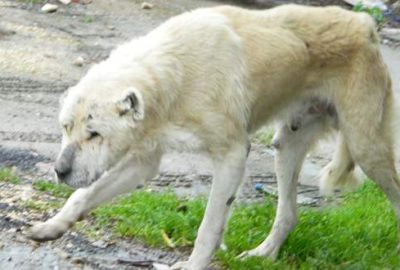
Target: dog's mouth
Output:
[{"x": 79, "y": 179}]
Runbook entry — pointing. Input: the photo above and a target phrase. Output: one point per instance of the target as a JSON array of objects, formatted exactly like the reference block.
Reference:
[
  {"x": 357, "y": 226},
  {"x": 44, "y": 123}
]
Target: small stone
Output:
[
  {"x": 12, "y": 230},
  {"x": 79, "y": 61},
  {"x": 34, "y": 244},
  {"x": 158, "y": 266},
  {"x": 62, "y": 254},
  {"x": 6, "y": 32},
  {"x": 45, "y": 166},
  {"x": 223, "y": 247},
  {"x": 100, "y": 244},
  {"x": 49, "y": 8},
  {"x": 146, "y": 5},
  {"x": 77, "y": 260},
  {"x": 65, "y": 2},
  {"x": 20, "y": 238}
]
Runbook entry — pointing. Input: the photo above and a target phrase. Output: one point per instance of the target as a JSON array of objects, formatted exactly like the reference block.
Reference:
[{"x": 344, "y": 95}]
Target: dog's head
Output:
[{"x": 100, "y": 127}]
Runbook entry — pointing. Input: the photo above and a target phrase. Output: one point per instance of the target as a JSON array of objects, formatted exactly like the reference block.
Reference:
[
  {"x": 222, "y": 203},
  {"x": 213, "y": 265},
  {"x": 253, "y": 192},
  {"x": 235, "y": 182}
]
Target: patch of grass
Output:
[
  {"x": 41, "y": 206},
  {"x": 264, "y": 137},
  {"x": 146, "y": 216},
  {"x": 86, "y": 19},
  {"x": 92, "y": 231},
  {"x": 359, "y": 234},
  {"x": 7, "y": 175},
  {"x": 56, "y": 190}
]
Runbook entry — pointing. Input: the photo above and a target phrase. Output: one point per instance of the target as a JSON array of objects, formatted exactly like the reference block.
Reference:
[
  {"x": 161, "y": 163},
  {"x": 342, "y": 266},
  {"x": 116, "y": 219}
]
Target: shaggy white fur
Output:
[{"x": 203, "y": 81}]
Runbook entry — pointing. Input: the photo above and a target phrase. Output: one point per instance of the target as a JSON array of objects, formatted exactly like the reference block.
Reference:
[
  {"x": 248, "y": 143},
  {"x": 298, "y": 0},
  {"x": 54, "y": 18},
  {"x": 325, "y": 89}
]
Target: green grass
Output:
[
  {"x": 358, "y": 234},
  {"x": 86, "y": 19},
  {"x": 7, "y": 175},
  {"x": 375, "y": 12},
  {"x": 56, "y": 190},
  {"x": 41, "y": 206},
  {"x": 147, "y": 215},
  {"x": 264, "y": 137}
]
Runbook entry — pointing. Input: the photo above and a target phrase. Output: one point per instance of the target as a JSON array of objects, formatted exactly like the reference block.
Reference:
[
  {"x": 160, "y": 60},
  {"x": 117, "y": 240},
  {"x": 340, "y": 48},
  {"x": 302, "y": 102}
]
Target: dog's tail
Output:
[{"x": 339, "y": 174}]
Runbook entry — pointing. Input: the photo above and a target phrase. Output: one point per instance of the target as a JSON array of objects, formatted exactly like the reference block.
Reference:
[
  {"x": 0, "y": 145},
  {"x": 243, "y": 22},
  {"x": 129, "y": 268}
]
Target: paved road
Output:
[
  {"x": 45, "y": 47},
  {"x": 37, "y": 53}
]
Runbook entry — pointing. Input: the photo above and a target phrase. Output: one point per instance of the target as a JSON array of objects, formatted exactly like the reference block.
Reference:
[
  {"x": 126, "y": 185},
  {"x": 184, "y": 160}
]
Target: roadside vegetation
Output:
[
  {"x": 375, "y": 12},
  {"x": 359, "y": 233},
  {"x": 59, "y": 191},
  {"x": 7, "y": 175},
  {"x": 264, "y": 137}
]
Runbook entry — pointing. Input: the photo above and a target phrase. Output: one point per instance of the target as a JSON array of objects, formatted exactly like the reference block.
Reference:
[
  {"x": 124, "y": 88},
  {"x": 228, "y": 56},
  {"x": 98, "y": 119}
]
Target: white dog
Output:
[{"x": 203, "y": 81}]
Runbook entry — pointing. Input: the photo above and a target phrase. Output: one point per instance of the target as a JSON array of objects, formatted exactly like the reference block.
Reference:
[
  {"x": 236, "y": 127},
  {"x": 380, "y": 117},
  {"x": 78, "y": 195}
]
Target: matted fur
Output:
[{"x": 203, "y": 81}]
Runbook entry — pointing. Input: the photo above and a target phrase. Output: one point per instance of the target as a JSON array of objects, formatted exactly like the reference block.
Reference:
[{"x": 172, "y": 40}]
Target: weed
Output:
[
  {"x": 56, "y": 190},
  {"x": 359, "y": 234},
  {"x": 134, "y": 216},
  {"x": 87, "y": 19},
  {"x": 32, "y": 1},
  {"x": 375, "y": 12},
  {"x": 264, "y": 137},
  {"x": 41, "y": 206},
  {"x": 7, "y": 175}
]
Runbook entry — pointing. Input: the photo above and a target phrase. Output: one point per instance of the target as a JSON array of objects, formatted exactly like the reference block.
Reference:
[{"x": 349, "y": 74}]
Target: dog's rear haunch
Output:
[{"x": 202, "y": 82}]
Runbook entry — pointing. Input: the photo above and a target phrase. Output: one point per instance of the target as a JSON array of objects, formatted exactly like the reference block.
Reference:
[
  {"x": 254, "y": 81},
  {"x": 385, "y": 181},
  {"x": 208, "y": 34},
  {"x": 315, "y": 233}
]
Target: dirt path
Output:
[{"x": 38, "y": 54}]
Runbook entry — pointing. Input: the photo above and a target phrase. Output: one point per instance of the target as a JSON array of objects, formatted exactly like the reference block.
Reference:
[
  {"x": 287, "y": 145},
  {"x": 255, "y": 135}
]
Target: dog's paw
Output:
[
  {"x": 46, "y": 231},
  {"x": 267, "y": 250}
]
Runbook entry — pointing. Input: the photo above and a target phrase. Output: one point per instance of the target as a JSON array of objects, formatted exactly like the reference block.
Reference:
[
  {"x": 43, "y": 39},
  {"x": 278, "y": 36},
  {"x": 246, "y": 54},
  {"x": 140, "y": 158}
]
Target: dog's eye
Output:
[{"x": 93, "y": 134}]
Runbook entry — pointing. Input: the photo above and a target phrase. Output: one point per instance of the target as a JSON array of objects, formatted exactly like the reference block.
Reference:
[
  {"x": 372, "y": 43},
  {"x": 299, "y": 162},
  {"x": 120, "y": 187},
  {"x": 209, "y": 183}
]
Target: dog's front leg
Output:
[
  {"x": 120, "y": 180},
  {"x": 227, "y": 178}
]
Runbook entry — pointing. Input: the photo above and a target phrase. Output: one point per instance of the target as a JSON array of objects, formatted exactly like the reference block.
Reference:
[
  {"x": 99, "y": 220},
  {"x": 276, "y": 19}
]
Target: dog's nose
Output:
[
  {"x": 61, "y": 173},
  {"x": 63, "y": 165}
]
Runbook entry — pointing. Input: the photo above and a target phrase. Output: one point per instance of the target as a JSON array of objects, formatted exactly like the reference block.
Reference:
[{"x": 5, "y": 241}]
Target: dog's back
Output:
[
  {"x": 328, "y": 32},
  {"x": 316, "y": 48}
]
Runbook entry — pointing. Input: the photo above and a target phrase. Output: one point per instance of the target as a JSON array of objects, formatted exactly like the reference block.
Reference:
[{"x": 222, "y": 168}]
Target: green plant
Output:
[
  {"x": 375, "y": 12},
  {"x": 7, "y": 175},
  {"x": 87, "y": 19},
  {"x": 264, "y": 137},
  {"x": 358, "y": 234},
  {"x": 56, "y": 190}
]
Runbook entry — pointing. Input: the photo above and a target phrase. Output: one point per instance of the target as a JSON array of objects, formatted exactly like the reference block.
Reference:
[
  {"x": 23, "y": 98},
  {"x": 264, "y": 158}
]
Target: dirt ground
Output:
[{"x": 39, "y": 60}]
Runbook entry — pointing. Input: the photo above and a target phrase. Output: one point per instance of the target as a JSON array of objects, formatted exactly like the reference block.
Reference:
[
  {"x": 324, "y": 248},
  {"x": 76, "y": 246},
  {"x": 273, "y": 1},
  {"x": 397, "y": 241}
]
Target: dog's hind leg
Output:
[
  {"x": 339, "y": 173},
  {"x": 367, "y": 127},
  {"x": 292, "y": 147}
]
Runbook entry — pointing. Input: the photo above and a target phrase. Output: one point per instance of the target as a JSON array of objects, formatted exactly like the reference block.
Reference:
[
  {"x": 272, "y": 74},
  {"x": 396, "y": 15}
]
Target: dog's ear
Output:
[{"x": 131, "y": 103}]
